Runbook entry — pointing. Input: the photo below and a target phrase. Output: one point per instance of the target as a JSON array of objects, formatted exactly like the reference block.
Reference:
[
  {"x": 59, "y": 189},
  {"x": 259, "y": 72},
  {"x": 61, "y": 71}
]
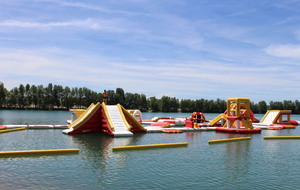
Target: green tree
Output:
[
  {"x": 111, "y": 97},
  {"x": 169, "y": 104},
  {"x": 221, "y": 106},
  {"x": 80, "y": 97},
  {"x": 21, "y": 96},
  {"x": 297, "y": 107},
  {"x": 254, "y": 107},
  {"x": 187, "y": 105},
  {"x": 49, "y": 101},
  {"x": 57, "y": 94},
  {"x": 263, "y": 107},
  {"x": 199, "y": 105},
  {"x": 12, "y": 98},
  {"x": 67, "y": 98},
  {"x": 3, "y": 94},
  {"x": 153, "y": 104},
  {"x": 27, "y": 95},
  {"x": 289, "y": 105},
  {"x": 41, "y": 94},
  {"x": 184, "y": 105},
  {"x": 60, "y": 97},
  {"x": 34, "y": 95},
  {"x": 174, "y": 104},
  {"x": 144, "y": 104},
  {"x": 120, "y": 96},
  {"x": 87, "y": 97},
  {"x": 276, "y": 105}
]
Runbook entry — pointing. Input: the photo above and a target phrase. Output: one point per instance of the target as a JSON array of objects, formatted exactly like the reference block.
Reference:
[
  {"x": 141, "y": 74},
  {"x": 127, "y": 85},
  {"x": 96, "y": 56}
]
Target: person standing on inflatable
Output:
[{"x": 104, "y": 97}]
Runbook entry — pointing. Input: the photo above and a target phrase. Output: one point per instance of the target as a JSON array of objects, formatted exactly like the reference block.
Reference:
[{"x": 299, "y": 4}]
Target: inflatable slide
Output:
[
  {"x": 111, "y": 119},
  {"x": 277, "y": 118}
]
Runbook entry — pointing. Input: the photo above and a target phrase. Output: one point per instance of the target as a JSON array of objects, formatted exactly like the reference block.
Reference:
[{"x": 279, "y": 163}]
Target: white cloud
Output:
[
  {"x": 94, "y": 7},
  {"x": 287, "y": 51},
  {"x": 168, "y": 77},
  {"x": 95, "y": 24}
]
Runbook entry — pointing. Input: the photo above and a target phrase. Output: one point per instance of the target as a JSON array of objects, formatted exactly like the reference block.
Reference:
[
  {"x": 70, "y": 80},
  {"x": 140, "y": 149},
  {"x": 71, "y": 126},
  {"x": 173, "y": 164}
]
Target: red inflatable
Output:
[{"x": 238, "y": 130}]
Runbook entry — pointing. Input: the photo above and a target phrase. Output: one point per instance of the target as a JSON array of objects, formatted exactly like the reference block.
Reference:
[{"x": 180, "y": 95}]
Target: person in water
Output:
[{"x": 104, "y": 97}]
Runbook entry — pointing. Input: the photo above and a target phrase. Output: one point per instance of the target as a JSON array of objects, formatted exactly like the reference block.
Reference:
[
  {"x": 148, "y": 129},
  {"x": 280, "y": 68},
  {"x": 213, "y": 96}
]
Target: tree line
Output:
[{"x": 56, "y": 97}]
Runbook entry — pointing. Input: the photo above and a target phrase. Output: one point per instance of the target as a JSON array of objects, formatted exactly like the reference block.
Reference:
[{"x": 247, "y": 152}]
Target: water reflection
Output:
[
  {"x": 94, "y": 144},
  {"x": 192, "y": 135},
  {"x": 97, "y": 147},
  {"x": 237, "y": 159}
]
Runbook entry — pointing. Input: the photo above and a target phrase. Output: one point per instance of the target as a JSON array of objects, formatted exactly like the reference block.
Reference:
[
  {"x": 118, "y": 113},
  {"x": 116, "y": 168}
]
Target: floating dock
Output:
[
  {"x": 183, "y": 129},
  {"x": 282, "y": 137},
  {"x": 34, "y": 126},
  {"x": 229, "y": 140},
  {"x": 150, "y": 146},
  {"x": 28, "y": 152},
  {"x": 11, "y": 130}
]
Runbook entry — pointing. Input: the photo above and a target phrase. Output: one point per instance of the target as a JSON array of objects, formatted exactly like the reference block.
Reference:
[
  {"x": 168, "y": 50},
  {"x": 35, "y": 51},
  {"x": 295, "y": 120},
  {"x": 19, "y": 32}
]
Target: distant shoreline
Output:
[{"x": 58, "y": 97}]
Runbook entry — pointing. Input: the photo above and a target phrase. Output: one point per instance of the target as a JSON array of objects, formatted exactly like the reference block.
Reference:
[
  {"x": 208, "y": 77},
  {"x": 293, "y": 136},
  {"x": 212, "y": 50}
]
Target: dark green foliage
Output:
[
  {"x": 59, "y": 97},
  {"x": 263, "y": 108},
  {"x": 153, "y": 104},
  {"x": 3, "y": 94},
  {"x": 168, "y": 104}
]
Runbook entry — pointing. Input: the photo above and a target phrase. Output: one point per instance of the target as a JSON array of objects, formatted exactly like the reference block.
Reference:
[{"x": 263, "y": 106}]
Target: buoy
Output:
[
  {"x": 150, "y": 146},
  {"x": 229, "y": 140},
  {"x": 39, "y": 152},
  {"x": 282, "y": 137},
  {"x": 9, "y": 130}
]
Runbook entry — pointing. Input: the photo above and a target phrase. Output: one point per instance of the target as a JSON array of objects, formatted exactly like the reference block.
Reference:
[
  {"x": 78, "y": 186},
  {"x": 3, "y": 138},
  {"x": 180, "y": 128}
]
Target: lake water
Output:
[{"x": 252, "y": 164}]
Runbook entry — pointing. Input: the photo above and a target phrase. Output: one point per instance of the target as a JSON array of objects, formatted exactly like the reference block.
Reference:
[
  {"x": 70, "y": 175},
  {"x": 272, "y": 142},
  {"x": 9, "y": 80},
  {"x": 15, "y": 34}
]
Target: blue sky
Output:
[{"x": 188, "y": 49}]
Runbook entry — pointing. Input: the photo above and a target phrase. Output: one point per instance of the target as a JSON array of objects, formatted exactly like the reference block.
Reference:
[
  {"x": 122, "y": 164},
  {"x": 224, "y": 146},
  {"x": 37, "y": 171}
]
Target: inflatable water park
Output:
[{"x": 116, "y": 121}]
